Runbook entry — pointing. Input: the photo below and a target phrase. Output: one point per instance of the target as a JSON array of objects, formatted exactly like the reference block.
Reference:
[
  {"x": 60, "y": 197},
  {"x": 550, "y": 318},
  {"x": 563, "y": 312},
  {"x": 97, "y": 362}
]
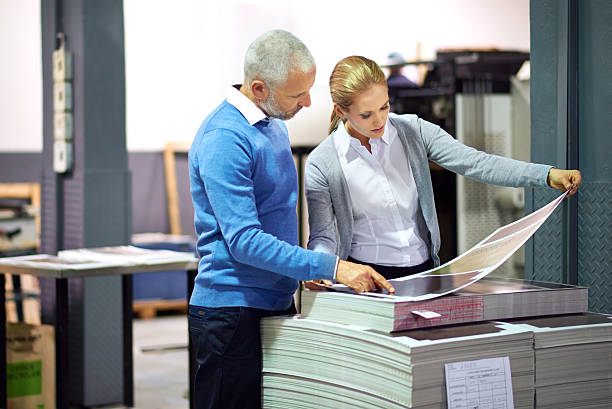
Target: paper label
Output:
[
  {"x": 23, "y": 379},
  {"x": 483, "y": 383},
  {"x": 426, "y": 314}
]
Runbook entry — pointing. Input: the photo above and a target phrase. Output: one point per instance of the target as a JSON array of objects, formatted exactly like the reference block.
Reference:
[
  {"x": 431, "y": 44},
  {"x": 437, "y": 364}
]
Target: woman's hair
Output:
[
  {"x": 273, "y": 55},
  {"x": 350, "y": 77}
]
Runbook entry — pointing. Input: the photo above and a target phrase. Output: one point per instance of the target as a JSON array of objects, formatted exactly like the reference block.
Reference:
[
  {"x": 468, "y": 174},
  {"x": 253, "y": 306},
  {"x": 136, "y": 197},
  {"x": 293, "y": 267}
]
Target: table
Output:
[{"x": 44, "y": 265}]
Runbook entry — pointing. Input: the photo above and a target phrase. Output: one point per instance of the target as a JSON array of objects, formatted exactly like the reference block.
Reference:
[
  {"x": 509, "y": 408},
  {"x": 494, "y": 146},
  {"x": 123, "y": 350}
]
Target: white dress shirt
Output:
[
  {"x": 388, "y": 226},
  {"x": 247, "y": 108}
]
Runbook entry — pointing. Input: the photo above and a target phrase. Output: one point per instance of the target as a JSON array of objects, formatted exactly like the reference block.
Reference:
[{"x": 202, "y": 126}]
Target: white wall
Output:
[
  {"x": 20, "y": 76},
  {"x": 181, "y": 55}
]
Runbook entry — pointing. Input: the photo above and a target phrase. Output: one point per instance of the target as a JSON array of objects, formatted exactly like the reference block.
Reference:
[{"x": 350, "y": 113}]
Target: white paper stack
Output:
[
  {"x": 125, "y": 255},
  {"x": 573, "y": 360},
  {"x": 316, "y": 364},
  {"x": 487, "y": 299}
]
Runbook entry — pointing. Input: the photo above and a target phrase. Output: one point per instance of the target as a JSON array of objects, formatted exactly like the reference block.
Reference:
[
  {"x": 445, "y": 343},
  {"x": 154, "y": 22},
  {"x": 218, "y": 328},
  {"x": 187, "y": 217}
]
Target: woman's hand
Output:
[{"x": 564, "y": 180}]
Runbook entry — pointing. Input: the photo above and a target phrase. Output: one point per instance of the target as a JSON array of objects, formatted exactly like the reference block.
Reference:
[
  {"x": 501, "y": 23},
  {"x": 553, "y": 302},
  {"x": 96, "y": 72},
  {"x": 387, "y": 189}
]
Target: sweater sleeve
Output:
[
  {"x": 226, "y": 169},
  {"x": 321, "y": 216},
  {"x": 451, "y": 154}
]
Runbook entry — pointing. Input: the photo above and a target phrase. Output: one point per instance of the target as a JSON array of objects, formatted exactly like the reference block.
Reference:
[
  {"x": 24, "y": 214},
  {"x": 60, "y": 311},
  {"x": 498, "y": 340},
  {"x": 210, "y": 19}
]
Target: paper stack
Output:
[
  {"x": 573, "y": 360},
  {"x": 487, "y": 299},
  {"x": 316, "y": 364}
]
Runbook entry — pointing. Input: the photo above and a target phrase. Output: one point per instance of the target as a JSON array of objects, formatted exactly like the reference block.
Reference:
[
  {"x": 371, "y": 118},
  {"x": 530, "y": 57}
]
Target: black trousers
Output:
[
  {"x": 227, "y": 346},
  {"x": 390, "y": 272}
]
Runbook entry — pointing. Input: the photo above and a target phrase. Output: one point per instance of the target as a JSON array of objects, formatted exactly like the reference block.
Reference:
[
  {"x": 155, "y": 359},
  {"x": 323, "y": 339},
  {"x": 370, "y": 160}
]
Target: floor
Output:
[{"x": 160, "y": 363}]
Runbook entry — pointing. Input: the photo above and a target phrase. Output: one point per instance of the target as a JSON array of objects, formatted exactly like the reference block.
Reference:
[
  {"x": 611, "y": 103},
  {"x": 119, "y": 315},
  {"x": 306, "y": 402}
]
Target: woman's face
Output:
[{"x": 367, "y": 115}]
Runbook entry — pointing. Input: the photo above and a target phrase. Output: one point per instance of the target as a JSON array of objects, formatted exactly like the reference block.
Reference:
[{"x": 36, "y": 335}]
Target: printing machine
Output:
[{"x": 453, "y": 72}]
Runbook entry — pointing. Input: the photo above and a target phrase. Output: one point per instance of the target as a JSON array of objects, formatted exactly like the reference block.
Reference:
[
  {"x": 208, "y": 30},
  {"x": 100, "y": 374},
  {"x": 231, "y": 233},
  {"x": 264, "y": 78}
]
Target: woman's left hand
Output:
[{"x": 564, "y": 180}]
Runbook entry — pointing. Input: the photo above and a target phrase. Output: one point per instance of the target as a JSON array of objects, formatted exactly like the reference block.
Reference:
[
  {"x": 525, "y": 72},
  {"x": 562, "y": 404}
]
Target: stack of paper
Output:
[
  {"x": 315, "y": 364},
  {"x": 573, "y": 360},
  {"x": 125, "y": 255},
  {"x": 487, "y": 299}
]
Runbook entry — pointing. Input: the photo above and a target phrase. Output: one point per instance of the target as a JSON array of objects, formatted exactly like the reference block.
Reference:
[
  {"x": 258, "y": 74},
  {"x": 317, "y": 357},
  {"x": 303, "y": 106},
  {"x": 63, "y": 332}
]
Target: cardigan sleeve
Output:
[
  {"x": 321, "y": 216},
  {"x": 451, "y": 154}
]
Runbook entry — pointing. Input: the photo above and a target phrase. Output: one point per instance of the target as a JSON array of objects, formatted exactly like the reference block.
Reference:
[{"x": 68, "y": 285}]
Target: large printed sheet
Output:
[{"x": 470, "y": 266}]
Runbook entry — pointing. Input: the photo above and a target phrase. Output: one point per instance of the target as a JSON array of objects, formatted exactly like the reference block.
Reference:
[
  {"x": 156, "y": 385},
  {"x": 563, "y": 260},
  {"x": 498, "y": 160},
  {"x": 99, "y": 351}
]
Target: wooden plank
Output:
[
  {"x": 17, "y": 190},
  {"x": 172, "y": 196},
  {"x": 31, "y": 306},
  {"x": 30, "y": 191},
  {"x": 172, "y": 191},
  {"x": 147, "y": 309}
]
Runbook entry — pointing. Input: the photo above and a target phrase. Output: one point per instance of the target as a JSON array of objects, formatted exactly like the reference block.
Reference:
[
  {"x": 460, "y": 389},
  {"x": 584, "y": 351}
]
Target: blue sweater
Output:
[{"x": 244, "y": 192}]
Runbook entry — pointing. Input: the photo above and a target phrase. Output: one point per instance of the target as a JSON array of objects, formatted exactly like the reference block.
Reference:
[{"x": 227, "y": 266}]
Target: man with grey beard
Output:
[{"x": 244, "y": 192}]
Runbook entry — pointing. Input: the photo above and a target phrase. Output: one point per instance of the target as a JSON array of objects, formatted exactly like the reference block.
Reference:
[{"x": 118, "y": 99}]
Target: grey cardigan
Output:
[{"x": 330, "y": 214}]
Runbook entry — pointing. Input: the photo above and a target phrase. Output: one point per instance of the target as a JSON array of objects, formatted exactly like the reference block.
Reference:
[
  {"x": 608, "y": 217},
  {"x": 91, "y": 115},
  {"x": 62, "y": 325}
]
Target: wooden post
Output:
[{"x": 172, "y": 197}]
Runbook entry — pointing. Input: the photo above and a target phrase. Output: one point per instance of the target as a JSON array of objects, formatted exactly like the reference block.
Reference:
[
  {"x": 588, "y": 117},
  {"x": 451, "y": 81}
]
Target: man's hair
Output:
[{"x": 273, "y": 55}]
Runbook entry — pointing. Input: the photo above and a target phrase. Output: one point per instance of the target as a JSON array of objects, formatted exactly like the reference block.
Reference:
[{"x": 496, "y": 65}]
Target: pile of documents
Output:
[
  {"x": 487, "y": 299},
  {"x": 316, "y": 364},
  {"x": 573, "y": 360},
  {"x": 103, "y": 258}
]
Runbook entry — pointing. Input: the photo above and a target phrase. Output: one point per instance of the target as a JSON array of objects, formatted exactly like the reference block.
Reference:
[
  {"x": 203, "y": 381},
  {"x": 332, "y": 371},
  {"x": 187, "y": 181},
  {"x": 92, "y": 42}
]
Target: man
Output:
[
  {"x": 244, "y": 192},
  {"x": 395, "y": 64}
]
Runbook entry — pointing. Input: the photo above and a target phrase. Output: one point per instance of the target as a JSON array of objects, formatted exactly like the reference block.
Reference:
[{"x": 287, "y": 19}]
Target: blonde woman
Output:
[{"x": 368, "y": 186}]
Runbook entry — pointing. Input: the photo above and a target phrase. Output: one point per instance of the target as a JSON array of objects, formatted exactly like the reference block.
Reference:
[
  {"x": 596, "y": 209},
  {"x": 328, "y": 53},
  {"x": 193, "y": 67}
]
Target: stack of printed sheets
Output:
[
  {"x": 487, "y": 299},
  {"x": 316, "y": 364},
  {"x": 573, "y": 360}
]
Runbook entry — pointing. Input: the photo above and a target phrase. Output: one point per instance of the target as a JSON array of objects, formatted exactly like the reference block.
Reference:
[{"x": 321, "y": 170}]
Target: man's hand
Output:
[
  {"x": 317, "y": 285},
  {"x": 564, "y": 180},
  {"x": 361, "y": 278}
]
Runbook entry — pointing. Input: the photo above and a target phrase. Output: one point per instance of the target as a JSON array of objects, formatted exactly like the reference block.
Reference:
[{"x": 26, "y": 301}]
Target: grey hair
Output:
[{"x": 273, "y": 55}]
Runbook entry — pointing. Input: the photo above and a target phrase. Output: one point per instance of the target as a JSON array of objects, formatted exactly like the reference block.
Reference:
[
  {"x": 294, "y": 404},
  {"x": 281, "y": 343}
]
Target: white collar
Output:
[
  {"x": 343, "y": 139},
  {"x": 247, "y": 108}
]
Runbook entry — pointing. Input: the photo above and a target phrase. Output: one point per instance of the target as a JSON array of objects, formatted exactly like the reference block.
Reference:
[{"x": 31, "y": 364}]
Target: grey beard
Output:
[{"x": 271, "y": 107}]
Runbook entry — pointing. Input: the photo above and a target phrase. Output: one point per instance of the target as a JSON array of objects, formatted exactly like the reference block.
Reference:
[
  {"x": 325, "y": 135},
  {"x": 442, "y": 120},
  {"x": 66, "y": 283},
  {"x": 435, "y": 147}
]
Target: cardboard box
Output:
[{"x": 30, "y": 369}]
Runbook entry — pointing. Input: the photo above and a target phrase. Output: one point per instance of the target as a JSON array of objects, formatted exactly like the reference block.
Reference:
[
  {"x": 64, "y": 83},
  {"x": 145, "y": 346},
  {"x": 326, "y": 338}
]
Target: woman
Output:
[{"x": 368, "y": 186}]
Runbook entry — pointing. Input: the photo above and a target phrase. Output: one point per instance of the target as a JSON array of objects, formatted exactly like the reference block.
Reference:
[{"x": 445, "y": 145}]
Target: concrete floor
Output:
[{"x": 160, "y": 363}]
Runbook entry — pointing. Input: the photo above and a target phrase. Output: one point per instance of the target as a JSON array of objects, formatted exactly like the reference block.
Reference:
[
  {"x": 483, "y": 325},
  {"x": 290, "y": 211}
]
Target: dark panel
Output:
[
  {"x": 149, "y": 205},
  {"x": 548, "y": 25},
  {"x": 545, "y": 252},
  {"x": 595, "y": 90},
  {"x": 19, "y": 167},
  {"x": 546, "y": 242},
  {"x": 112, "y": 200},
  {"x": 595, "y": 243},
  {"x": 74, "y": 213},
  {"x": 595, "y": 122},
  {"x": 104, "y": 93},
  {"x": 149, "y": 209}
]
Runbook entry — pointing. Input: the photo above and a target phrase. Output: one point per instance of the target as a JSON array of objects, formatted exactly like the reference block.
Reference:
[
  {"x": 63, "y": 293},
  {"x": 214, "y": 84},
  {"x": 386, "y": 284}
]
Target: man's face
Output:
[{"x": 286, "y": 100}]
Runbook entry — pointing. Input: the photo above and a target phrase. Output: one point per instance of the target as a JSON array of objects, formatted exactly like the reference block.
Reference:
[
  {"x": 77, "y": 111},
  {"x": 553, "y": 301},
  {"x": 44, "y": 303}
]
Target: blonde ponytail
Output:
[{"x": 335, "y": 120}]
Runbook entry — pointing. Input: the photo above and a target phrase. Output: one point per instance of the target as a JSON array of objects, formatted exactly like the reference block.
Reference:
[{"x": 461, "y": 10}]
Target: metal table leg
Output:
[
  {"x": 62, "y": 375},
  {"x": 18, "y": 299},
  {"x": 3, "y": 390},
  {"x": 128, "y": 339},
  {"x": 191, "y": 274}
]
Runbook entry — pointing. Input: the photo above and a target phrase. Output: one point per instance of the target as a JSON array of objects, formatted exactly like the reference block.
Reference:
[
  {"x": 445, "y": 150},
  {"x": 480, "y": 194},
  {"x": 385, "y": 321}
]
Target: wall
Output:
[
  {"x": 20, "y": 77},
  {"x": 182, "y": 55}
]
